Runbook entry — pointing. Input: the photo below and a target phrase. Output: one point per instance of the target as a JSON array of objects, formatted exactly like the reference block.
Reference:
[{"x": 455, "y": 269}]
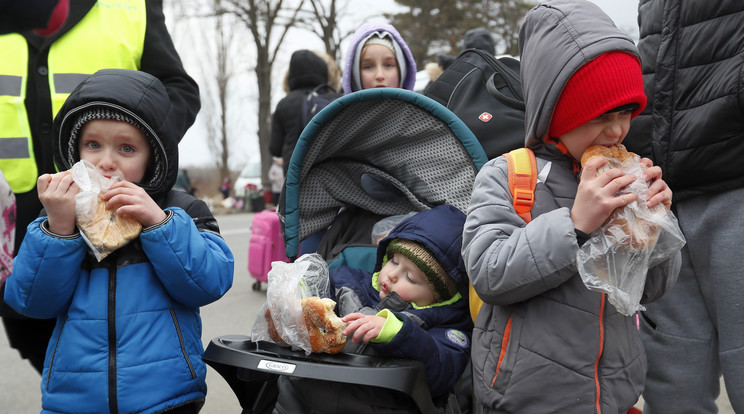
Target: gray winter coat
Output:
[
  {"x": 543, "y": 342},
  {"x": 695, "y": 116}
]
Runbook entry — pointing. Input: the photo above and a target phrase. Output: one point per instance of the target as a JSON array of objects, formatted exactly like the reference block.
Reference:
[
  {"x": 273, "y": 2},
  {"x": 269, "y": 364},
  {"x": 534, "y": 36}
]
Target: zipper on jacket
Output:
[
  {"x": 112, "y": 337},
  {"x": 54, "y": 353},
  {"x": 504, "y": 344},
  {"x": 183, "y": 346},
  {"x": 599, "y": 354}
]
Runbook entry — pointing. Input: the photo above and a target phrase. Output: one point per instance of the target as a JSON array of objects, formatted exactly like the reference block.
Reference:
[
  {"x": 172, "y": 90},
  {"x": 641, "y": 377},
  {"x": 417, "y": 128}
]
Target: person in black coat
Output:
[
  {"x": 693, "y": 128},
  {"x": 306, "y": 71}
]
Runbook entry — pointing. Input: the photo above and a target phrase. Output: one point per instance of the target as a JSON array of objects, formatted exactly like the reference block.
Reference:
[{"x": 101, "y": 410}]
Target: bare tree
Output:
[
  {"x": 217, "y": 37},
  {"x": 431, "y": 27},
  {"x": 323, "y": 19},
  {"x": 504, "y": 18},
  {"x": 217, "y": 71},
  {"x": 264, "y": 18}
]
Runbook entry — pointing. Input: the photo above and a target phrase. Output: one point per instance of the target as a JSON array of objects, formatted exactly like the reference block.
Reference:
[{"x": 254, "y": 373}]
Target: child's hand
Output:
[
  {"x": 658, "y": 190},
  {"x": 365, "y": 327},
  {"x": 596, "y": 196},
  {"x": 57, "y": 195},
  {"x": 133, "y": 201}
]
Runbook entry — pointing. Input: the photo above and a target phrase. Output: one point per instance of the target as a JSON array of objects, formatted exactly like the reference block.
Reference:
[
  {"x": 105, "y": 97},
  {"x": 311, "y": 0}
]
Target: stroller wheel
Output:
[{"x": 256, "y": 286}]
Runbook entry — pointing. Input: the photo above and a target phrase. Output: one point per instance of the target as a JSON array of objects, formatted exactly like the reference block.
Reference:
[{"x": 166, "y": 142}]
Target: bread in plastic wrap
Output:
[
  {"x": 616, "y": 258},
  {"x": 103, "y": 230},
  {"x": 297, "y": 311}
]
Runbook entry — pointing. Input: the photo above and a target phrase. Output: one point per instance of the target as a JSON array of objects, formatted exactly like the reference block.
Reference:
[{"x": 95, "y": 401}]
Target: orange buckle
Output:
[{"x": 523, "y": 200}]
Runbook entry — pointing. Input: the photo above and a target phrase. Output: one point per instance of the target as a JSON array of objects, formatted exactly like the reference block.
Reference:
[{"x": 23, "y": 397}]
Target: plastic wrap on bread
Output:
[
  {"x": 616, "y": 259},
  {"x": 297, "y": 311},
  {"x": 102, "y": 229}
]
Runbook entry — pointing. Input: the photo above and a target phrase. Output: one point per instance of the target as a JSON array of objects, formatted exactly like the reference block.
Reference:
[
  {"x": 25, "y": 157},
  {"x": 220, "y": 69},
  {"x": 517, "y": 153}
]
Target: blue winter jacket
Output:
[
  {"x": 128, "y": 332},
  {"x": 128, "y": 328}
]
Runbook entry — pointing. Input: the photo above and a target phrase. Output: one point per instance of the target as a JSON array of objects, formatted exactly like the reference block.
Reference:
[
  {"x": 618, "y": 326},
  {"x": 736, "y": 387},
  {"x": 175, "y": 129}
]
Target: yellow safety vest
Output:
[{"x": 111, "y": 35}]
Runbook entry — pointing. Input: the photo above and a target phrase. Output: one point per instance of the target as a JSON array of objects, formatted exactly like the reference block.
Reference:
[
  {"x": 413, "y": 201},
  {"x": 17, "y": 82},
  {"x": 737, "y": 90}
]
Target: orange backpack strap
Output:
[
  {"x": 522, "y": 180},
  {"x": 522, "y": 167}
]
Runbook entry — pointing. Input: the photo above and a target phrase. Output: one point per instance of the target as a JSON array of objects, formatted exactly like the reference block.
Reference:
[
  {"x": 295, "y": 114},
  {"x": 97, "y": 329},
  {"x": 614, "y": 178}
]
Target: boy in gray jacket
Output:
[{"x": 542, "y": 341}]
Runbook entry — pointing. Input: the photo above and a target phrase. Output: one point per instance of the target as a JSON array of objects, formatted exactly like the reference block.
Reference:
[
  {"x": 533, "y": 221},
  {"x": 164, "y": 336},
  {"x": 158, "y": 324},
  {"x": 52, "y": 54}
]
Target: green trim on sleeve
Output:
[{"x": 390, "y": 329}]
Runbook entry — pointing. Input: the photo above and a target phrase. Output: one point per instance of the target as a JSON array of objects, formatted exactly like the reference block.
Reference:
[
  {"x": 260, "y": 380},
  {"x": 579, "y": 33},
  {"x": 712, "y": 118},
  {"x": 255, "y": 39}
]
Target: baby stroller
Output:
[{"x": 369, "y": 155}]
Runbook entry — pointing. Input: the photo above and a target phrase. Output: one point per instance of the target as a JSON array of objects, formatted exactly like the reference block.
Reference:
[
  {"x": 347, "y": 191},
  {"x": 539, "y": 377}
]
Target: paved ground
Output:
[{"x": 233, "y": 314}]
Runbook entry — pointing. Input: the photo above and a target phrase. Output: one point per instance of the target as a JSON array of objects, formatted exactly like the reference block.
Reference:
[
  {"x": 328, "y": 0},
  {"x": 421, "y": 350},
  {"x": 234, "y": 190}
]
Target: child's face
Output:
[
  {"x": 115, "y": 148},
  {"x": 607, "y": 129},
  {"x": 378, "y": 67},
  {"x": 402, "y": 276}
]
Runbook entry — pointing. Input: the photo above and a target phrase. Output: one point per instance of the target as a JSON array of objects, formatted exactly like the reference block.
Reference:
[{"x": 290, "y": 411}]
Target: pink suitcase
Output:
[{"x": 266, "y": 245}]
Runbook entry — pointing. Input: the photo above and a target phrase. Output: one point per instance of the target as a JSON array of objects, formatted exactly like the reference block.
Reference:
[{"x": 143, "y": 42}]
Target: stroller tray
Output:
[{"x": 259, "y": 360}]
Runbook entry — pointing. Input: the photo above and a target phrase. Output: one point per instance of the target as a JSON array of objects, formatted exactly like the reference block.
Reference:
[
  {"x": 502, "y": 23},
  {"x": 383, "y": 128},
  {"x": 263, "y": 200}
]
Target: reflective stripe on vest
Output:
[
  {"x": 16, "y": 149},
  {"x": 111, "y": 35}
]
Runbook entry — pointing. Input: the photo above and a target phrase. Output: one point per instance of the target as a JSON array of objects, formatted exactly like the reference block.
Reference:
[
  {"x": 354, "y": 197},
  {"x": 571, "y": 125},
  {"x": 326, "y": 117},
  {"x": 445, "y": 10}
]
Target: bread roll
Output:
[
  {"x": 106, "y": 231},
  {"x": 326, "y": 329},
  {"x": 626, "y": 226},
  {"x": 616, "y": 155}
]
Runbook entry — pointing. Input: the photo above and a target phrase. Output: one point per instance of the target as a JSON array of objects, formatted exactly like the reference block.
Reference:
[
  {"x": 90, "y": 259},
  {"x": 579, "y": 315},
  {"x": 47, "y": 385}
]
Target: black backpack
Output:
[
  {"x": 486, "y": 94},
  {"x": 317, "y": 99}
]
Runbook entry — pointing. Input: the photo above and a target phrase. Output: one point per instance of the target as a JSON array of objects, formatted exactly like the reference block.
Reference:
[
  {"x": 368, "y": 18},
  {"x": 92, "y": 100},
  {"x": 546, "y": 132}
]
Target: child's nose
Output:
[
  {"x": 614, "y": 128},
  {"x": 393, "y": 276},
  {"x": 107, "y": 161}
]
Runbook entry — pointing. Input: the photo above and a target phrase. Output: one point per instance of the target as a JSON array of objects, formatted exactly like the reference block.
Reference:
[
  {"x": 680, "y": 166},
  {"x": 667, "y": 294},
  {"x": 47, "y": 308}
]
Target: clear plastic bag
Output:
[
  {"x": 109, "y": 234},
  {"x": 616, "y": 259},
  {"x": 288, "y": 283}
]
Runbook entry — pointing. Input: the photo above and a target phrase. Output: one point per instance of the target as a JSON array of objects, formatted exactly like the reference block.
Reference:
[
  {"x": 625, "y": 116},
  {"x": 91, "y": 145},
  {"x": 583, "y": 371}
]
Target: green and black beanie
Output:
[{"x": 440, "y": 282}]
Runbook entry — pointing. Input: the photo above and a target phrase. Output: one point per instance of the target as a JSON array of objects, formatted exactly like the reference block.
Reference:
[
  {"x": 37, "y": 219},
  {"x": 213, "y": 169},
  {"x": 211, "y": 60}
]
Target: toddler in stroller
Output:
[
  {"x": 411, "y": 307},
  {"x": 369, "y": 155}
]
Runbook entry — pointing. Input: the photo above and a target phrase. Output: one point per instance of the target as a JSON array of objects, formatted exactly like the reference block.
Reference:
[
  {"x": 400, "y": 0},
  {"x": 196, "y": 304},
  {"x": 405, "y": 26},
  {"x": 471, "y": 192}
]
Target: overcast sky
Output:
[{"x": 193, "y": 150}]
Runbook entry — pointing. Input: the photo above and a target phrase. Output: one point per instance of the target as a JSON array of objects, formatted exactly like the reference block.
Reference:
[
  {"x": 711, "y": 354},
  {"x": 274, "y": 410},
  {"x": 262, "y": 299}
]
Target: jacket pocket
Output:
[
  {"x": 54, "y": 353},
  {"x": 507, "y": 354},
  {"x": 181, "y": 343}
]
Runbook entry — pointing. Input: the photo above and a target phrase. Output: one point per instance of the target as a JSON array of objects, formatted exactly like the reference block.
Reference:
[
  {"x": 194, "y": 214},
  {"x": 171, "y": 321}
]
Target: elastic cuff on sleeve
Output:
[
  {"x": 391, "y": 328},
  {"x": 581, "y": 237}
]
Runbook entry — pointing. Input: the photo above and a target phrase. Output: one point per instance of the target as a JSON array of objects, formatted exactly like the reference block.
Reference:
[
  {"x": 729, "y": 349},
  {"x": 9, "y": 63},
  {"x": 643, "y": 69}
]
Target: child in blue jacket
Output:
[
  {"x": 128, "y": 332},
  {"x": 414, "y": 306}
]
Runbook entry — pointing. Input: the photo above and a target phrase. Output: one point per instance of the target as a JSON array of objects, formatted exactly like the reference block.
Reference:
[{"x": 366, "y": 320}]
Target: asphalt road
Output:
[{"x": 233, "y": 314}]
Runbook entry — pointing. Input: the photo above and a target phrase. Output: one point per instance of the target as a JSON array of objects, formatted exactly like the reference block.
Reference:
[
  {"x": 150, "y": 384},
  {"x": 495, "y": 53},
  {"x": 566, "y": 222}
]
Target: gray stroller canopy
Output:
[{"x": 388, "y": 151}]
